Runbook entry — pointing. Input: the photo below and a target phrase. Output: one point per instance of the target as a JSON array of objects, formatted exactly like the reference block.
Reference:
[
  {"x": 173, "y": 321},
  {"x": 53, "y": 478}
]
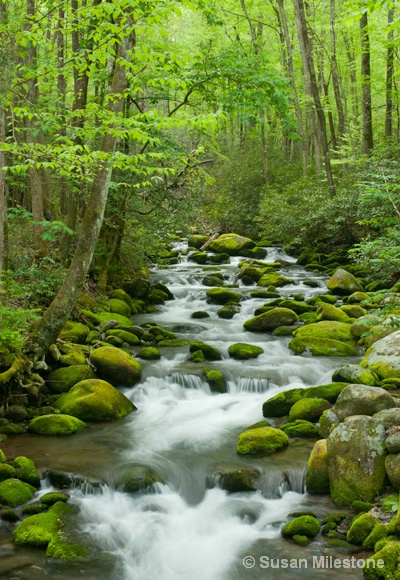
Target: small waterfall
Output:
[
  {"x": 252, "y": 385},
  {"x": 189, "y": 382}
]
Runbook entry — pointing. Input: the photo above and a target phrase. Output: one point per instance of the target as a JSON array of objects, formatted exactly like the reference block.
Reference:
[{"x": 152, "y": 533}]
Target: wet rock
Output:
[
  {"x": 94, "y": 400},
  {"x": 383, "y": 357},
  {"x": 119, "y": 307},
  {"x": 390, "y": 555},
  {"x": 228, "y": 311},
  {"x": 56, "y": 425},
  {"x": 389, "y": 417},
  {"x": 231, "y": 244},
  {"x": 300, "y": 428},
  {"x": 302, "y": 526},
  {"x": 262, "y": 441},
  {"x": 14, "y": 492},
  {"x": 392, "y": 465},
  {"x": 149, "y": 353},
  {"x": 309, "y": 409},
  {"x": 222, "y": 295},
  {"x": 234, "y": 480},
  {"x": 64, "y": 378},
  {"x": 322, "y": 346},
  {"x": 216, "y": 380},
  {"x": 113, "y": 364},
  {"x": 330, "y": 312},
  {"x": 356, "y": 460},
  {"x": 274, "y": 279},
  {"x": 352, "y": 373},
  {"x": 210, "y": 352},
  {"x": 243, "y": 351},
  {"x": 74, "y": 332},
  {"x": 123, "y": 336},
  {"x": 26, "y": 470},
  {"x": 343, "y": 283},
  {"x": 317, "y": 478},
  {"x": 362, "y": 400},
  {"x": 361, "y": 527},
  {"x": 137, "y": 478},
  {"x": 270, "y": 320}
]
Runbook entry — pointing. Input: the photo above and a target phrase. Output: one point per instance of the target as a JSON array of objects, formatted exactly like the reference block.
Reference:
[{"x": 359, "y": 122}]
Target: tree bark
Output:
[
  {"x": 389, "y": 78},
  {"x": 48, "y": 328},
  {"x": 335, "y": 73},
  {"x": 308, "y": 64},
  {"x": 366, "y": 101}
]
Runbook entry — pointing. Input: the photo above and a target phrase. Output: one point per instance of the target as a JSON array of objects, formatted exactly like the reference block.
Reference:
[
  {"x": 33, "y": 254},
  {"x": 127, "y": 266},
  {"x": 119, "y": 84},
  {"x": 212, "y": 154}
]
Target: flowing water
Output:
[{"x": 188, "y": 528}]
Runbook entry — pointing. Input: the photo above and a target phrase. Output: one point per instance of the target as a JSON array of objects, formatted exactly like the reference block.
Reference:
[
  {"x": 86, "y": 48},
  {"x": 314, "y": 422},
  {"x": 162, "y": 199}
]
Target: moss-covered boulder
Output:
[
  {"x": 280, "y": 404},
  {"x": 243, "y": 351},
  {"x": 301, "y": 526},
  {"x": 389, "y": 417},
  {"x": 138, "y": 478},
  {"x": 6, "y": 471},
  {"x": 138, "y": 286},
  {"x": 361, "y": 527},
  {"x": 56, "y": 424},
  {"x": 149, "y": 353},
  {"x": 36, "y": 531},
  {"x": 234, "y": 480},
  {"x": 200, "y": 314},
  {"x": 329, "y": 329},
  {"x": 213, "y": 280},
  {"x": 262, "y": 441},
  {"x": 300, "y": 428},
  {"x": 100, "y": 318},
  {"x": 317, "y": 477},
  {"x": 198, "y": 257},
  {"x": 322, "y": 346},
  {"x": 119, "y": 307},
  {"x": 299, "y": 307},
  {"x": 215, "y": 380},
  {"x": 26, "y": 471},
  {"x": 330, "y": 312},
  {"x": 62, "y": 549},
  {"x": 120, "y": 294},
  {"x": 353, "y": 373},
  {"x": 74, "y": 332},
  {"x": 274, "y": 279},
  {"x": 362, "y": 400},
  {"x": 64, "y": 378},
  {"x": 343, "y": 283},
  {"x": 197, "y": 241},
  {"x": 229, "y": 310},
  {"x": 356, "y": 460},
  {"x": 222, "y": 295},
  {"x": 14, "y": 492},
  {"x": 94, "y": 400},
  {"x": 392, "y": 466},
  {"x": 353, "y": 310},
  {"x": 113, "y": 364},
  {"x": 209, "y": 352},
  {"x": 390, "y": 556},
  {"x": 383, "y": 357},
  {"x": 124, "y": 335},
  {"x": 309, "y": 409},
  {"x": 71, "y": 355},
  {"x": 231, "y": 244},
  {"x": 270, "y": 320}
]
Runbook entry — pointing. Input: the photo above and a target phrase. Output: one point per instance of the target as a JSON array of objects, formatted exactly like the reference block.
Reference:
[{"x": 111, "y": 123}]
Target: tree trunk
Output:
[
  {"x": 292, "y": 76},
  {"x": 3, "y": 209},
  {"x": 48, "y": 328},
  {"x": 308, "y": 64},
  {"x": 335, "y": 74},
  {"x": 366, "y": 102},
  {"x": 389, "y": 79}
]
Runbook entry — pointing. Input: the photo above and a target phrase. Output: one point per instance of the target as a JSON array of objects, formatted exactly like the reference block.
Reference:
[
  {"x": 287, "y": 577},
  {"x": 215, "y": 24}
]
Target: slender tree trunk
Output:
[
  {"x": 292, "y": 76},
  {"x": 308, "y": 64},
  {"x": 335, "y": 73},
  {"x": 389, "y": 78},
  {"x": 366, "y": 101},
  {"x": 48, "y": 328},
  {"x": 3, "y": 209}
]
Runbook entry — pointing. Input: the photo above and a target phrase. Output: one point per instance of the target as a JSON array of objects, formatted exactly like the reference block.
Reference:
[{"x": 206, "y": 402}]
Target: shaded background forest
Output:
[{"x": 275, "y": 119}]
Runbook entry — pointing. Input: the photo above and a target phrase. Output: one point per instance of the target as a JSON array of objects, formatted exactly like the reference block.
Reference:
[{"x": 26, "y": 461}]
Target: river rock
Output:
[
  {"x": 138, "y": 478},
  {"x": 343, "y": 283},
  {"x": 362, "y": 400},
  {"x": 383, "y": 357},
  {"x": 392, "y": 465},
  {"x": 356, "y": 460},
  {"x": 229, "y": 310},
  {"x": 209, "y": 352},
  {"x": 215, "y": 380},
  {"x": 222, "y": 295},
  {"x": 243, "y": 351},
  {"x": 234, "y": 480},
  {"x": 322, "y": 346},
  {"x": 274, "y": 279},
  {"x": 119, "y": 307},
  {"x": 56, "y": 424},
  {"x": 361, "y": 527},
  {"x": 14, "y": 492},
  {"x": 120, "y": 294},
  {"x": 308, "y": 409},
  {"x": 270, "y": 320},
  {"x": 138, "y": 287},
  {"x": 390, "y": 417},
  {"x": 389, "y": 554},
  {"x": 317, "y": 477},
  {"x": 74, "y": 332},
  {"x": 197, "y": 241},
  {"x": 94, "y": 400},
  {"x": 300, "y": 428},
  {"x": 330, "y": 312},
  {"x": 353, "y": 310},
  {"x": 26, "y": 471},
  {"x": 262, "y": 441},
  {"x": 352, "y": 373},
  {"x": 231, "y": 244},
  {"x": 280, "y": 404},
  {"x": 64, "y": 378},
  {"x": 393, "y": 442},
  {"x": 327, "y": 422},
  {"x": 113, "y": 364},
  {"x": 301, "y": 526}
]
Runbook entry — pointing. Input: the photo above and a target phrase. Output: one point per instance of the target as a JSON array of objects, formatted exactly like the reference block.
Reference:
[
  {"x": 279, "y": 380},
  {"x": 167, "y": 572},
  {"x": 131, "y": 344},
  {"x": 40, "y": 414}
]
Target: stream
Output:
[{"x": 188, "y": 528}]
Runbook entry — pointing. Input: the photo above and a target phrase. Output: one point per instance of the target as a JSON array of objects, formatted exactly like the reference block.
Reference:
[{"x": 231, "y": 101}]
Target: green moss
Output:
[
  {"x": 72, "y": 355},
  {"x": 262, "y": 441},
  {"x": 280, "y": 404},
  {"x": 101, "y": 317},
  {"x": 322, "y": 346},
  {"x": 196, "y": 241},
  {"x": 116, "y": 365},
  {"x": 238, "y": 480},
  {"x": 328, "y": 329},
  {"x": 330, "y": 312},
  {"x": 36, "y": 531},
  {"x": 6, "y": 471},
  {"x": 11, "y": 429},
  {"x": 124, "y": 336},
  {"x": 222, "y": 296},
  {"x": 390, "y": 503},
  {"x": 228, "y": 311},
  {"x": 64, "y": 550},
  {"x": 271, "y": 319},
  {"x": 231, "y": 244},
  {"x": 33, "y": 509},
  {"x": 360, "y": 506},
  {"x": 302, "y": 526},
  {"x": 149, "y": 353},
  {"x": 119, "y": 307},
  {"x": 14, "y": 492},
  {"x": 335, "y": 518},
  {"x": 3, "y": 458},
  {"x": 301, "y": 540},
  {"x": 244, "y": 351},
  {"x": 26, "y": 470},
  {"x": 138, "y": 478},
  {"x": 297, "y": 306},
  {"x": 352, "y": 373},
  {"x": 53, "y": 497},
  {"x": 343, "y": 283},
  {"x": 57, "y": 424},
  {"x": 63, "y": 379},
  {"x": 274, "y": 279},
  {"x": 390, "y": 554},
  {"x": 95, "y": 400},
  {"x": 173, "y": 342},
  {"x": 317, "y": 478},
  {"x": 378, "y": 533},
  {"x": 309, "y": 409},
  {"x": 197, "y": 356},
  {"x": 216, "y": 380},
  {"x": 209, "y": 352},
  {"x": 360, "y": 528},
  {"x": 300, "y": 428},
  {"x": 74, "y": 332}
]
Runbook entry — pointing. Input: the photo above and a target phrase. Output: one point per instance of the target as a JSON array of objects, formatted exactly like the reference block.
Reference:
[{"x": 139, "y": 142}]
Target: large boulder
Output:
[
  {"x": 362, "y": 400},
  {"x": 383, "y": 357},
  {"x": 74, "y": 332},
  {"x": 138, "y": 287},
  {"x": 119, "y": 307},
  {"x": 356, "y": 460},
  {"x": 231, "y": 244},
  {"x": 309, "y": 409},
  {"x": 329, "y": 312},
  {"x": 14, "y": 492},
  {"x": 56, "y": 424},
  {"x": 317, "y": 478},
  {"x": 94, "y": 400},
  {"x": 222, "y": 295},
  {"x": 234, "y": 480},
  {"x": 306, "y": 525},
  {"x": 330, "y": 329},
  {"x": 113, "y": 364},
  {"x": 392, "y": 466},
  {"x": 343, "y": 283},
  {"x": 243, "y": 351},
  {"x": 64, "y": 378},
  {"x": 352, "y": 373},
  {"x": 274, "y": 279},
  {"x": 138, "y": 478},
  {"x": 324, "y": 338},
  {"x": 280, "y": 404},
  {"x": 270, "y": 320},
  {"x": 261, "y": 441}
]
